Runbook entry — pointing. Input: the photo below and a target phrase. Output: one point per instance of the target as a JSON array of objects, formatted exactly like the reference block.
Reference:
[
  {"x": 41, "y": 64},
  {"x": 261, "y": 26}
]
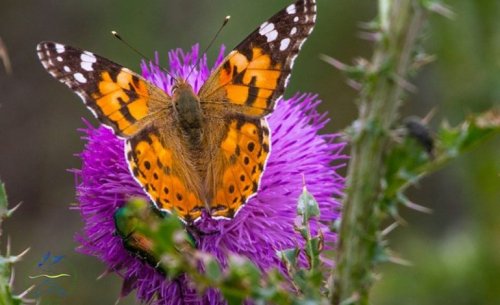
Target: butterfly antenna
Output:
[
  {"x": 224, "y": 23},
  {"x": 115, "y": 33}
]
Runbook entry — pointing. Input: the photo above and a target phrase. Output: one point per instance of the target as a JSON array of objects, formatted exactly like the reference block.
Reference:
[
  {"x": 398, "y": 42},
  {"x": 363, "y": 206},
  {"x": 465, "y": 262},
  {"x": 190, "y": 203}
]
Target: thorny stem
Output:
[{"x": 380, "y": 98}]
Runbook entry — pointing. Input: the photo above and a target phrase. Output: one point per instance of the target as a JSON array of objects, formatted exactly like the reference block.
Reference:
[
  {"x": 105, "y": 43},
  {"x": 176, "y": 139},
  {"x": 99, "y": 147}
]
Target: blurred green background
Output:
[{"x": 455, "y": 251}]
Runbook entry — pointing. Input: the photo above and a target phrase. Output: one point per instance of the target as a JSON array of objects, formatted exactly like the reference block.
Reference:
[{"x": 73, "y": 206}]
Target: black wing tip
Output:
[
  {"x": 40, "y": 47},
  {"x": 306, "y": 2},
  {"x": 309, "y": 6},
  {"x": 44, "y": 48},
  {"x": 47, "y": 44}
]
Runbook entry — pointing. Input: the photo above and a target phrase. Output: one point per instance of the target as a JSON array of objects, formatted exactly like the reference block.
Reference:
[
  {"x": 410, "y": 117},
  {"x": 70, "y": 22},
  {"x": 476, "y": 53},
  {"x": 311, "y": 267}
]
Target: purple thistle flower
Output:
[{"x": 264, "y": 226}]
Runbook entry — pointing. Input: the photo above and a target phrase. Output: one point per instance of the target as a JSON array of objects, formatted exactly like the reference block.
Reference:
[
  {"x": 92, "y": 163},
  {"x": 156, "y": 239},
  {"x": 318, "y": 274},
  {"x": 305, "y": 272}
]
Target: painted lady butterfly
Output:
[{"x": 193, "y": 151}]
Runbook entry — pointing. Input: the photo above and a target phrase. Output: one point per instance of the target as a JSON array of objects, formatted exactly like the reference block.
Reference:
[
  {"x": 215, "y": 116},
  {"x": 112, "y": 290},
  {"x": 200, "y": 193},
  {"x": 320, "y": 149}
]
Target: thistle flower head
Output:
[{"x": 264, "y": 226}]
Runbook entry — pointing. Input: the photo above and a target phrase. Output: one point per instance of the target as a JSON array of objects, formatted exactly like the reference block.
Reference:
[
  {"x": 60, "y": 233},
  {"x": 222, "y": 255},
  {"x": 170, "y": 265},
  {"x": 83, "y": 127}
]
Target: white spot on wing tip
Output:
[
  {"x": 67, "y": 69},
  {"x": 284, "y": 44},
  {"x": 263, "y": 25},
  {"x": 88, "y": 57},
  {"x": 87, "y": 66},
  {"x": 291, "y": 9},
  {"x": 59, "y": 48},
  {"x": 80, "y": 78},
  {"x": 271, "y": 36},
  {"x": 296, "y": 19},
  {"x": 293, "y": 31},
  {"x": 265, "y": 28}
]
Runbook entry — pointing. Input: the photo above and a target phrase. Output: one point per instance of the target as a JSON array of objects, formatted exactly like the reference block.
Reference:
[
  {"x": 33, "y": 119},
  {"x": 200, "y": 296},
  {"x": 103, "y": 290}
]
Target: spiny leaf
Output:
[
  {"x": 289, "y": 257},
  {"x": 409, "y": 161},
  {"x": 307, "y": 206},
  {"x": 3, "y": 203}
]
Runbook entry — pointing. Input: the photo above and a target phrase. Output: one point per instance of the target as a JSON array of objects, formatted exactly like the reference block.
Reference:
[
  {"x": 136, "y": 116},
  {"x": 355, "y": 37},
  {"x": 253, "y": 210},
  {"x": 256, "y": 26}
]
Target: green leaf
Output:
[
  {"x": 307, "y": 206},
  {"x": 317, "y": 244},
  {"x": 213, "y": 271},
  {"x": 3, "y": 197},
  {"x": 242, "y": 280},
  {"x": 453, "y": 141},
  {"x": 3, "y": 203},
  {"x": 289, "y": 256},
  {"x": 409, "y": 161}
]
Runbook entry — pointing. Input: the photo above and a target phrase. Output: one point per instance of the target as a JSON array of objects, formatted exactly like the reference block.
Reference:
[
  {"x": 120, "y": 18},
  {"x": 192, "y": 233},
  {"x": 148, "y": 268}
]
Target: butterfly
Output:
[{"x": 193, "y": 151}]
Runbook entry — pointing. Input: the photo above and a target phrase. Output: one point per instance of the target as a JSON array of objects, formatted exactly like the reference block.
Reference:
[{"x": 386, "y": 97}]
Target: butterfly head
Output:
[{"x": 179, "y": 85}]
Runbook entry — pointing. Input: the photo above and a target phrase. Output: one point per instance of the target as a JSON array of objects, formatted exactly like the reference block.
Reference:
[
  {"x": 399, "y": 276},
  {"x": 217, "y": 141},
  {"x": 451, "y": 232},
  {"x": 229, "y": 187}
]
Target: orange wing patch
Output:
[
  {"x": 245, "y": 81},
  {"x": 122, "y": 99},
  {"x": 155, "y": 167},
  {"x": 255, "y": 80},
  {"x": 244, "y": 151}
]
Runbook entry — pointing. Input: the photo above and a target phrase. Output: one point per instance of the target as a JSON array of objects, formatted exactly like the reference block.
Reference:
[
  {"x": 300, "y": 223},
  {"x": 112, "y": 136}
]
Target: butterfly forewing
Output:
[
  {"x": 118, "y": 97},
  {"x": 254, "y": 75}
]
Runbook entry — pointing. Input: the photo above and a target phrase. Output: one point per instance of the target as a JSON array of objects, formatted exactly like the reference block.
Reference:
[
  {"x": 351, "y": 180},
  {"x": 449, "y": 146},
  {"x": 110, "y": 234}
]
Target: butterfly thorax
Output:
[{"x": 188, "y": 111}]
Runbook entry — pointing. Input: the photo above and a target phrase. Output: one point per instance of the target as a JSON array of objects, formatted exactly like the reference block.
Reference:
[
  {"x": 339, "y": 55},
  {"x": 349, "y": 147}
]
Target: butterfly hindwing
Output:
[
  {"x": 242, "y": 160},
  {"x": 254, "y": 75},
  {"x": 168, "y": 179},
  {"x": 118, "y": 97}
]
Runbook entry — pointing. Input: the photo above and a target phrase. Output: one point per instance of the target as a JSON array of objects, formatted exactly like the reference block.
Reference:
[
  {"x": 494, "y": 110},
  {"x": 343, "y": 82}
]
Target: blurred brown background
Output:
[{"x": 455, "y": 251}]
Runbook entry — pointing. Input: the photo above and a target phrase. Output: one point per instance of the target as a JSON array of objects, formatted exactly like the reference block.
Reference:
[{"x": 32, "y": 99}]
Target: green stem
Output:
[{"x": 380, "y": 99}]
